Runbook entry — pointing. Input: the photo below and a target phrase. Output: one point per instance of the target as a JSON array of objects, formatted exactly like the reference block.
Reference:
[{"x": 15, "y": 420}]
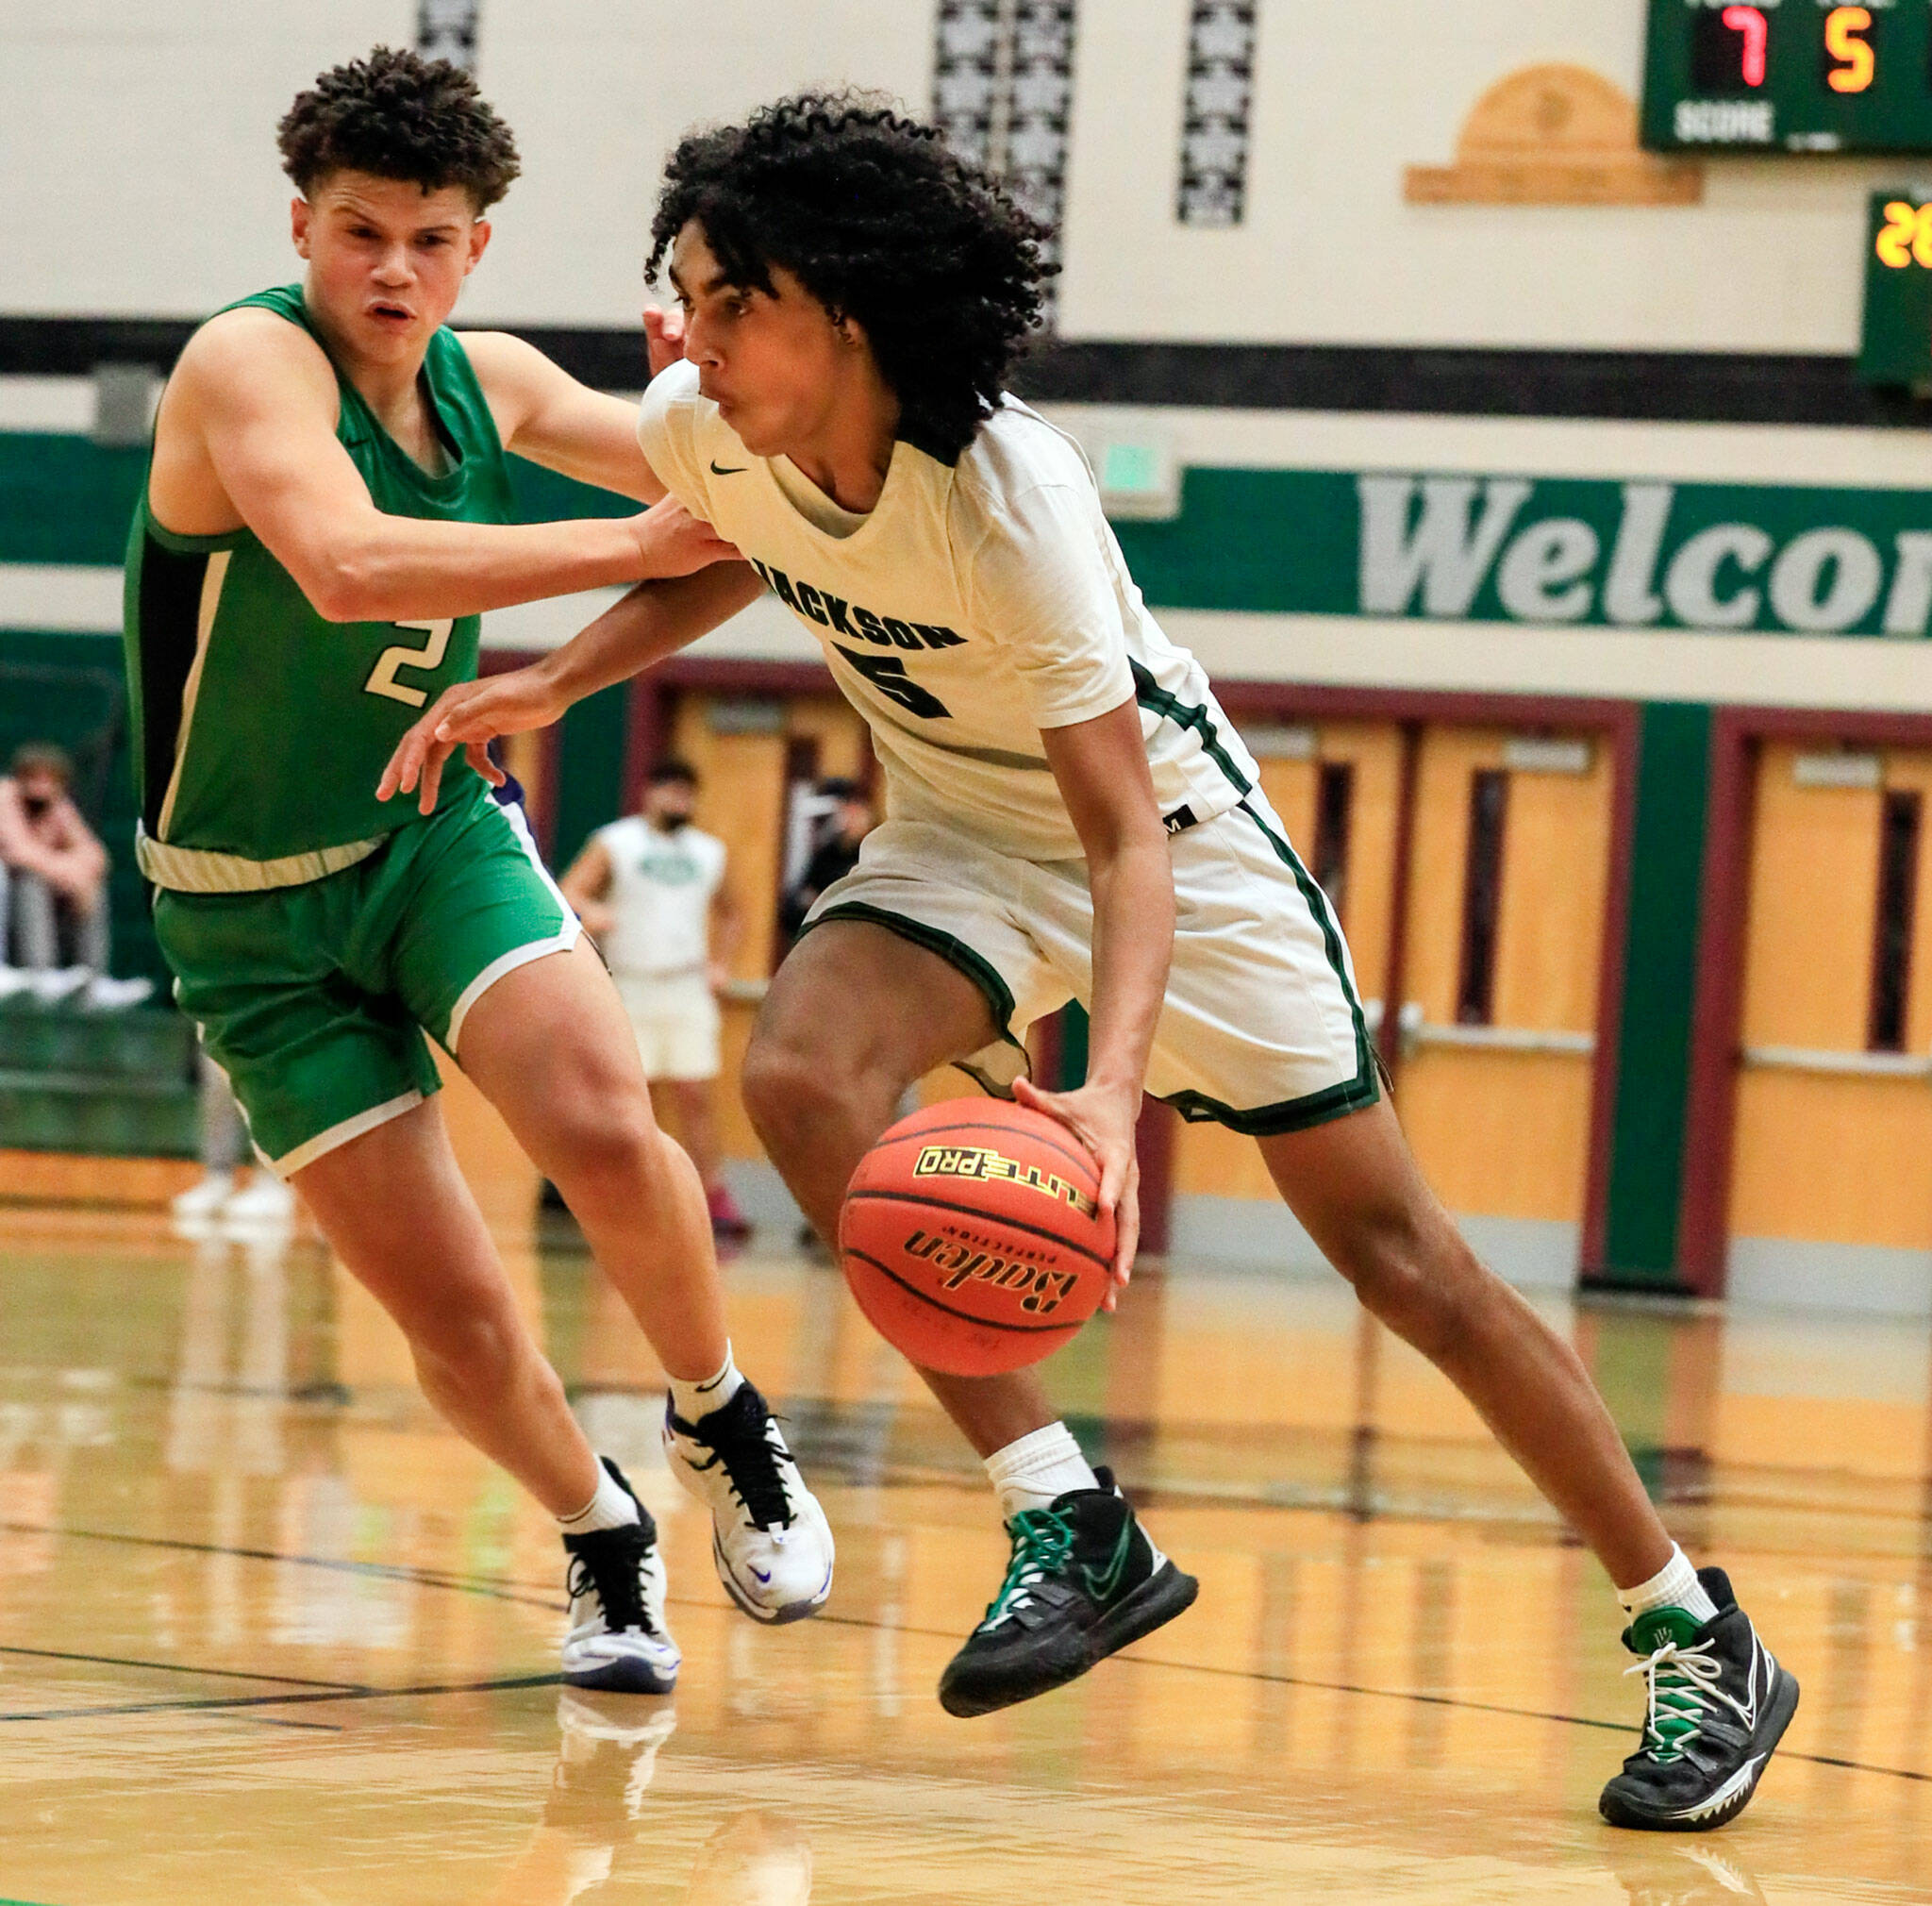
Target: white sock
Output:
[
  {"x": 1675, "y": 1585},
  {"x": 1031, "y": 1472},
  {"x": 693, "y": 1402},
  {"x": 610, "y": 1507}
]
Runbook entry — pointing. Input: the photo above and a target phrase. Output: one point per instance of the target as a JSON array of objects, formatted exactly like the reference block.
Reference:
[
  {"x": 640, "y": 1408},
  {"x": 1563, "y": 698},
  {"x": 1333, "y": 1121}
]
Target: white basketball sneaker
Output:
[
  {"x": 769, "y": 1536},
  {"x": 618, "y": 1638},
  {"x": 266, "y": 1201},
  {"x": 204, "y": 1198}
]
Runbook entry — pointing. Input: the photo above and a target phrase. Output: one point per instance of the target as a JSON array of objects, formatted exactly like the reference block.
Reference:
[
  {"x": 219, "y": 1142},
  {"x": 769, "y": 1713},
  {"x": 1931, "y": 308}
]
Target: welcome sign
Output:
[{"x": 1651, "y": 555}]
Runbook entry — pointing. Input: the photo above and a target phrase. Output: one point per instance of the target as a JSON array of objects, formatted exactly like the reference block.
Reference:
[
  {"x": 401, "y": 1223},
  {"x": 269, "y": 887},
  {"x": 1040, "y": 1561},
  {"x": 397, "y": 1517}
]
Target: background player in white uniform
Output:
[
  {"x": 653, "y": 890},
  {"x": 855, "y": 296}
]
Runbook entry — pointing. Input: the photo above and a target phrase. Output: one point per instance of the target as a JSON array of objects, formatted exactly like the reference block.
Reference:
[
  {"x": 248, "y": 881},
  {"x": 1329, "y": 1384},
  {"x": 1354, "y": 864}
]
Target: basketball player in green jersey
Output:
[
  {"x": 1069, "y": 814},
  {"x": 327, "y": 509}
]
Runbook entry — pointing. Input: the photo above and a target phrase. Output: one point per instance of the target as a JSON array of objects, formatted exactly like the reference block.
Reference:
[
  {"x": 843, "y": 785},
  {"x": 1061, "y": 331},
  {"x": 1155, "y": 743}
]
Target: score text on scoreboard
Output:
[
  {"x": 1896, "y": 342},
  {"x": 1789, "y": 75}
]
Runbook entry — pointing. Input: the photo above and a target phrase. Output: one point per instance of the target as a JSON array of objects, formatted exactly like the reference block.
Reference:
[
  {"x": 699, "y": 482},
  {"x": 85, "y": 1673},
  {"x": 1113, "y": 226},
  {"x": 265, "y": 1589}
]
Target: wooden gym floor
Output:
[{"x": 269, "y": 1632}]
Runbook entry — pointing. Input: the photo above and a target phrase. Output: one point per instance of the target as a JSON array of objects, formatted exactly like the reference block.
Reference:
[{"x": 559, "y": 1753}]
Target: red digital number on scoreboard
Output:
[{"x": 1731, "y": 49}]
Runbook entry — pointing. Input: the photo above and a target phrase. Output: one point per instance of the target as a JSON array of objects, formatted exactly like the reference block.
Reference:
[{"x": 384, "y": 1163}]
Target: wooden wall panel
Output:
[{"x": 1823, "y": 1157}]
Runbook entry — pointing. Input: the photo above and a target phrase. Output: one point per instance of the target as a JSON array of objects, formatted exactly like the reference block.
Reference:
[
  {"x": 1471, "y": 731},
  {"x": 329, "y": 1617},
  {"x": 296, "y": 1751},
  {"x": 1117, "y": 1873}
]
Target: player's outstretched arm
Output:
[
  {"x": 258, "y": 398},
  {"x": 652, "y": 622},
  {"x": 543, "y": 414},
  {"x": 1101, "y": 766}
]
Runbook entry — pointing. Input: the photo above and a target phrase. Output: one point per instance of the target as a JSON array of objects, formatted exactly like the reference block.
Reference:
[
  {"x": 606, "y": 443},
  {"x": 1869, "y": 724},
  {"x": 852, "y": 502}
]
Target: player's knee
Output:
[
  {"x": 471, "y": 1354},
  {"x": 606, "y": 1139},
  {"x": 1413, "y": 1274},
  {"x": 789, "y": 1087}
]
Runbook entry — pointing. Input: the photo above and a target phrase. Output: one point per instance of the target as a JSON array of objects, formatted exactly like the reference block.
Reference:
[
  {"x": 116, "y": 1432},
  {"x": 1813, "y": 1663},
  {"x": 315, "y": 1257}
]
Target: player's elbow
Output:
[{"x": 343, "y": 584}]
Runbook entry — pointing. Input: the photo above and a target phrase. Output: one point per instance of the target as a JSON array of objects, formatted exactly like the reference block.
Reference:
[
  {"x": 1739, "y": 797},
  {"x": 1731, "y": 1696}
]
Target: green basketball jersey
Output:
[{"x": 260, "y": 729}]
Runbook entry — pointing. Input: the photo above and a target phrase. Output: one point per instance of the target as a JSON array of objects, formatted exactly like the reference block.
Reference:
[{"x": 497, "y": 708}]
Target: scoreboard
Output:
[
  {"x": 1895, "y": 345},
  {"x": 1788, "y": 75}
]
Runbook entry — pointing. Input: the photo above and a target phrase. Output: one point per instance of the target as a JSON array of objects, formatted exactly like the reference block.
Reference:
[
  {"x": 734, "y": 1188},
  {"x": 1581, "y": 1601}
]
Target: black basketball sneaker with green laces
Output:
[
  {"x": 1718, "y": 1702},
  {"x": 1084, "y": 1581}
]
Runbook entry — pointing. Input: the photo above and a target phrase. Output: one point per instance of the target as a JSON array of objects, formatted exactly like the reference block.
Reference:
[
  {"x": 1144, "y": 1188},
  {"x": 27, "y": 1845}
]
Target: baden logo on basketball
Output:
[
  {"x": 981, "y": 1161},
  {"x": 972, "y": 1237},
  {"x": 963, "y": 1263}
]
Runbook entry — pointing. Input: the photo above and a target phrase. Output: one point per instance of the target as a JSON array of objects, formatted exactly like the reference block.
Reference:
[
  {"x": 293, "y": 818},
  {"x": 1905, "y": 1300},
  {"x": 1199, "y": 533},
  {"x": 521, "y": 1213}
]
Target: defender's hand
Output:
[
  {"x": 663, "y": 337},
  {"x": 1103, "y": 1119},
  {"x": 673, "y": 541},
  {"x": 467, "y": 716}
]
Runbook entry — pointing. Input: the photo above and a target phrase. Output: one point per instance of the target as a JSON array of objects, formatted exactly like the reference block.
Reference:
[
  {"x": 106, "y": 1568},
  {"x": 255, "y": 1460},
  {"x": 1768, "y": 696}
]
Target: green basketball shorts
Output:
[{"x": 314, "y": 999}]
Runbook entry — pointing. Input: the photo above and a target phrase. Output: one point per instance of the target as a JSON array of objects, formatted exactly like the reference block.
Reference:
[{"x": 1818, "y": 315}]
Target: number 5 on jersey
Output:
[
  {"x": 886, "y": 674},
  {"x": 382, "y": 678}
]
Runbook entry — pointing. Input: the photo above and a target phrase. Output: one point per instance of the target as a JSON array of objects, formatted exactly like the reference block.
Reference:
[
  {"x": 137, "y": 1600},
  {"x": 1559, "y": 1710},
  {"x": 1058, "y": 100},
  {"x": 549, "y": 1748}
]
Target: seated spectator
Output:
[
  {"x": 53, "y": 885},
  {"x": 836, "y": 854}
]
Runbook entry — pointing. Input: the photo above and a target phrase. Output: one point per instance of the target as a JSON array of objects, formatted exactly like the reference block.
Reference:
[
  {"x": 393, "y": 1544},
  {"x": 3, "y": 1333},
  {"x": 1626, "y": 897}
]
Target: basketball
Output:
[{"x": 973, "y": 1239}]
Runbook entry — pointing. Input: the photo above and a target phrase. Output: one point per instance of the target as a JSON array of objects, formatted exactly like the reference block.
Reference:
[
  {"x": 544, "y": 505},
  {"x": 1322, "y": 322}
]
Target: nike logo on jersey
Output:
[
  {"x": 718, "y": 468},
  {"x": 851, "y": 618}
]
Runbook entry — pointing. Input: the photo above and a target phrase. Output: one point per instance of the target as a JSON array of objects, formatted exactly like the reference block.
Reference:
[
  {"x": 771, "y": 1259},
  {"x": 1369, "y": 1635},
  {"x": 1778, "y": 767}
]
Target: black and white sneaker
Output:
[
  {"x": 769, "y": 1536},
  {"x": 618, "y": 1640},
  {"x": 1718, "y": 1704},
  {"x": 1084, "y": 1581}
]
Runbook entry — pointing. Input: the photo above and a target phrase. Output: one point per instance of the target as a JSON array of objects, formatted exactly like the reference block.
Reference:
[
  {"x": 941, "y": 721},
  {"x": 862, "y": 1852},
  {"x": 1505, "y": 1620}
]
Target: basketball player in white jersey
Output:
[
  {"x": 1069, "y": 815},
  {"x": 651, "y": 889}
]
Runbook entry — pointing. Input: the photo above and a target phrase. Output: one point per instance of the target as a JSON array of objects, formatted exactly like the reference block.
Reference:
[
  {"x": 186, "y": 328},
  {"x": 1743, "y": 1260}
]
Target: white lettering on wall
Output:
[
  {"x": 1444, "y": 554},
  {"x": 1691, "y": 584},
  {"x": 1629, "y": 596},
  {"x": 1909, "y": 605},
  {"x": 1543, "y": 576},
  {"x": 1855, "y": 570}
]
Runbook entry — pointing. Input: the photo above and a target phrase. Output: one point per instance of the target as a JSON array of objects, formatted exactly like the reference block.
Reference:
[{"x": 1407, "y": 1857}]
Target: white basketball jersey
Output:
[
  {"x": 975, "y": 605},
  {"x": 660, "y": 894}
]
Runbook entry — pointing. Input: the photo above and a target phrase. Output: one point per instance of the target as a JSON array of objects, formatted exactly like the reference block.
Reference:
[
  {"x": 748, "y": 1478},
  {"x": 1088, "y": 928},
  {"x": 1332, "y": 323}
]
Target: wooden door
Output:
[
  {"x": 1831, "y": 1185},
  {"x": 1508, "y": 875}
]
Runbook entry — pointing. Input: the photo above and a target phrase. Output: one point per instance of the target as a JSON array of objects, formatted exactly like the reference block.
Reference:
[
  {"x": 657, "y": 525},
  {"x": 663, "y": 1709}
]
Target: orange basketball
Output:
[{"x": 971, "y": 1237}]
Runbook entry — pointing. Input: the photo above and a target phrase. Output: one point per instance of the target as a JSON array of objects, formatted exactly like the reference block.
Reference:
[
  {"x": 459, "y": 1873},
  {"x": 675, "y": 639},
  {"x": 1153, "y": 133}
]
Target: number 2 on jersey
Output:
[{"x": 382, "y": 678}]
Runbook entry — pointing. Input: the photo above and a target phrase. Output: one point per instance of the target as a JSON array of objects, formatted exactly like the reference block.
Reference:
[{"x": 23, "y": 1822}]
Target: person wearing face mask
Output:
[
  {"x": 651, "y": 889},
  {"x": 53, "y": 881}
]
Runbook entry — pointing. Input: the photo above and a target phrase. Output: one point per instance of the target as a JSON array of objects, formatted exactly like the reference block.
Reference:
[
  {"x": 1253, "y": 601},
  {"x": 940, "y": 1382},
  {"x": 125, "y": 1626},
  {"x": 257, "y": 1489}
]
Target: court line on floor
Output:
[
  {"x": 234, "y": 1703},
  {"x": 428, "y": 1577},
  {"x": 472, "y": 1585},
  {"x": 171, "y": 1668}
]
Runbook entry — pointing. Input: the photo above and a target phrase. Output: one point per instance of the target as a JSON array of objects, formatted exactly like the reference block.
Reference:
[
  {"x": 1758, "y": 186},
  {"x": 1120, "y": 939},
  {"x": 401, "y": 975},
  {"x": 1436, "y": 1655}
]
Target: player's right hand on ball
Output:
[
  {"x": 673, "y": 541},
  {"x": 467, "y": 716}
]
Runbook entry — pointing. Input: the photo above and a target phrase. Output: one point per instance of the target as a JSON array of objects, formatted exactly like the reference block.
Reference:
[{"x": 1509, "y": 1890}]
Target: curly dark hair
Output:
[
  {"x": 398, "y": 115},
  {"x": 881, "y": 222}
]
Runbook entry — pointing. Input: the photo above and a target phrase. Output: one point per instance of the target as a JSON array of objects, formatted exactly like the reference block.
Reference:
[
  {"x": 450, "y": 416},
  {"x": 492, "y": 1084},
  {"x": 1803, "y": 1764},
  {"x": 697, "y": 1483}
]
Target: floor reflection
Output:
[{"x": 267, "y": 1628}]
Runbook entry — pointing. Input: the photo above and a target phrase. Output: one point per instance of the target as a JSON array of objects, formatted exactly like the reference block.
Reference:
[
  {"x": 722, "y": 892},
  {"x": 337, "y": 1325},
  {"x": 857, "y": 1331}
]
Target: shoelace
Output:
[
  {"x": 1681, "y": 1683},
  {"x": 1043, "y": 1545},
  {"x": 754, "y": 1468},
  {"x": 615, "y": 1577}
]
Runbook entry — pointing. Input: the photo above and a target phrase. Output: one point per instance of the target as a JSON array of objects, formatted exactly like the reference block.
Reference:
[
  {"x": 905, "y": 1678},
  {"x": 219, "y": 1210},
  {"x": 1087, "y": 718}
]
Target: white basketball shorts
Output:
[
  {"x": 1262, "y": 1029},
  {"x": 678, "y": 1024}
]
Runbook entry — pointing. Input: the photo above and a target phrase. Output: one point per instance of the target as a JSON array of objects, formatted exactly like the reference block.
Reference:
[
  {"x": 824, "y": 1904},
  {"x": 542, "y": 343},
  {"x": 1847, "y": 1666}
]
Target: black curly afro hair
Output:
[
  {"x": 881, "y": 222},
  {"x": 398, "y": 115}
]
